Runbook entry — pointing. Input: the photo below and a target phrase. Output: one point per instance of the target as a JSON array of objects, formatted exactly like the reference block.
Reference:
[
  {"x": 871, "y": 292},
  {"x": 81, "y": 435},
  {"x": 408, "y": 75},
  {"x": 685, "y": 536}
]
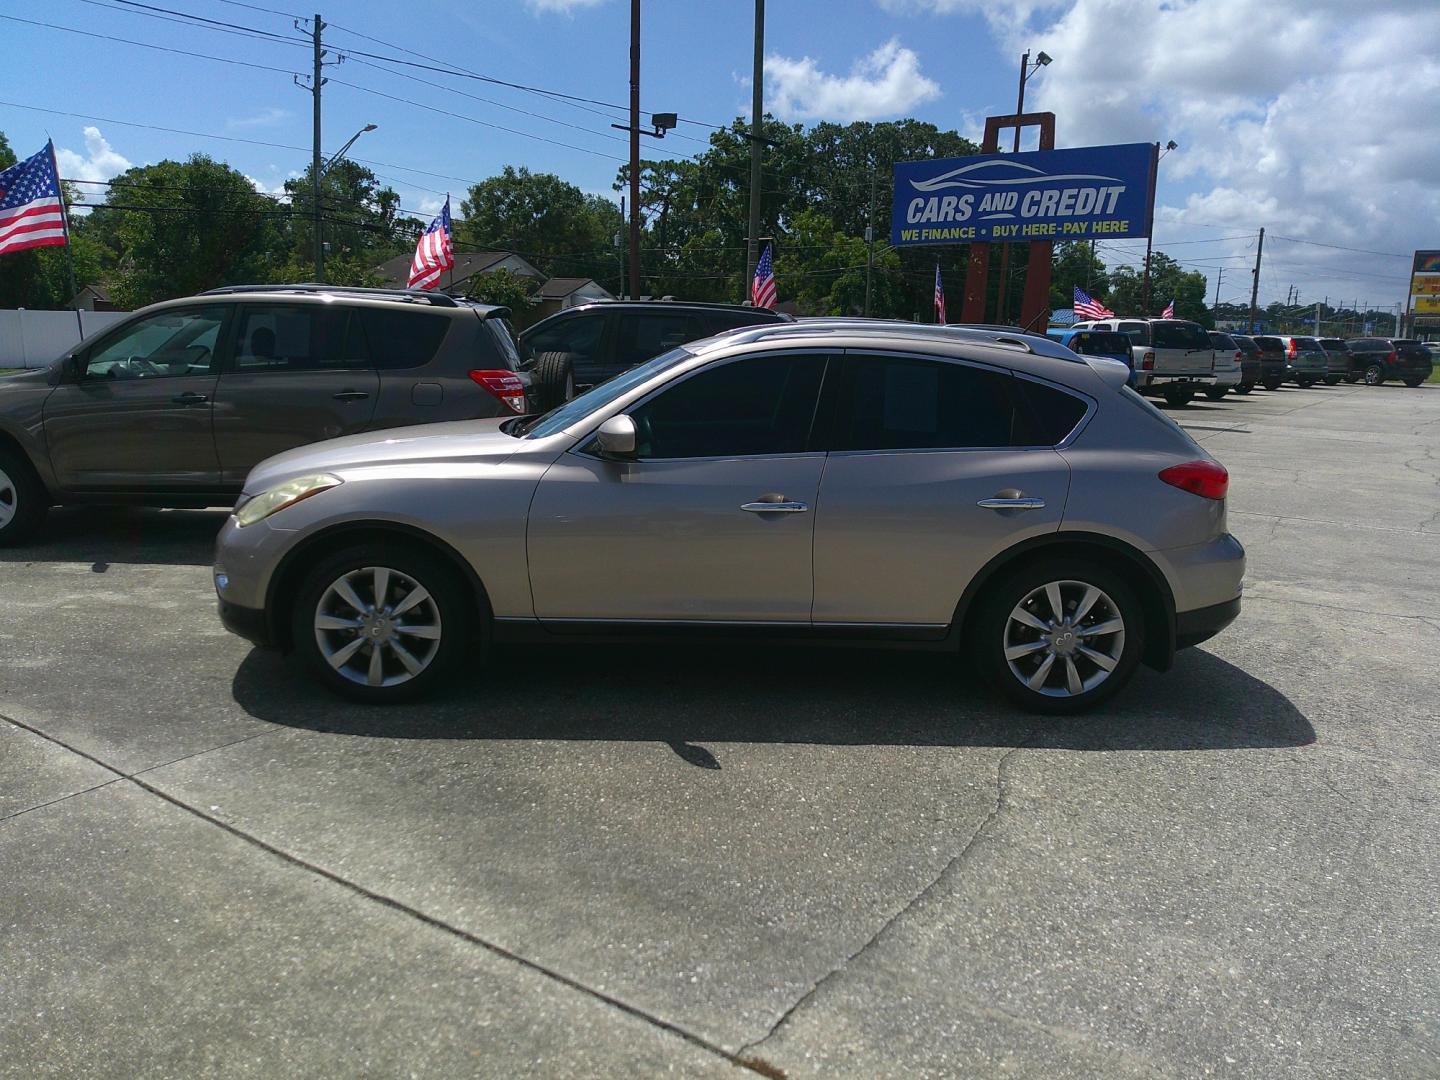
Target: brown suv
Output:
[{"x": 175, "y": 405}]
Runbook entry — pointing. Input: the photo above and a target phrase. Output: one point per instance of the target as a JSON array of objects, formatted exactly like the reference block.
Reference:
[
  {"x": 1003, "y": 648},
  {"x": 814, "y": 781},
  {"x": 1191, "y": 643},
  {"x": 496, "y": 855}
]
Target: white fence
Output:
[{"x": 34, "y": 338}]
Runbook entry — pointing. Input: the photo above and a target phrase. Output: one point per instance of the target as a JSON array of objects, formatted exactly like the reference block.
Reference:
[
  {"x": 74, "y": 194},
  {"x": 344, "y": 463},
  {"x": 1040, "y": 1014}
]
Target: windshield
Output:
[
  {"x": 1180, "y": 335},
  {"x": 1102, "y": 343},
  {"x": 577, "y": 408}
]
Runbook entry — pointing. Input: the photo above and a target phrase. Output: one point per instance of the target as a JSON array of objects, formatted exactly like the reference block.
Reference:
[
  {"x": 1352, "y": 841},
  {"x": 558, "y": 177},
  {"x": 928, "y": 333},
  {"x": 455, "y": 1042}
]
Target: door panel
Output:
[
  {"x": 133, "y": 436},
  {"x": 668, "y": 540},
  {"x": 898, "y": 534},
  {"x": 138, "y": 417},
  {"x": 297, "y": 377}
]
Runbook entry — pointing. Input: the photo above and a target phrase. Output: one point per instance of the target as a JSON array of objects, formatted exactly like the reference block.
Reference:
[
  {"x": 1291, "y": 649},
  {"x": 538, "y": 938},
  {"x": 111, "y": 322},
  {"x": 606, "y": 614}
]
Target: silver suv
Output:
[{"x": 972, "y": 491}]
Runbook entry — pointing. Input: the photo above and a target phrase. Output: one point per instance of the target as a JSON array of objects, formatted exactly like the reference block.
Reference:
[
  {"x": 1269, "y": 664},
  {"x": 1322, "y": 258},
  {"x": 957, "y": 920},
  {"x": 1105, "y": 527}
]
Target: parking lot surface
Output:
[{"x": 645, "y": 862}]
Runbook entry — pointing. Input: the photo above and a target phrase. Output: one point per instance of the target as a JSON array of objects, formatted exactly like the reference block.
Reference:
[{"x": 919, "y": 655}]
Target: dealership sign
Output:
[
  {"x": 1425, "y": 285},
  {"x": 1082, "y": 194}
]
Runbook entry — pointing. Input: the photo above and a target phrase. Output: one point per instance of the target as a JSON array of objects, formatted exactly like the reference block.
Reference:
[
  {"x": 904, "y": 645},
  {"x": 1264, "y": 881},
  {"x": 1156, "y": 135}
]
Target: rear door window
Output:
[
  {"x": 1137, "y": 332},
  {"x": 282, "y": 337},
  {"x": 401, "y": 339},
  {"x": 643, "y": 335},
  {"x": 904, "y": 403}
]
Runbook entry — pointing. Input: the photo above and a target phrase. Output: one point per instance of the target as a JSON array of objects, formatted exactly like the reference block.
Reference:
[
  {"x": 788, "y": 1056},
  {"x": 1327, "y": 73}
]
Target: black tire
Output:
[
  {"x": 1177, "y": 399},
  {"x": 1304, "y": 384},
  {"x": 448, "y": 608},
  {"x": 1413, "y": 382},
  {"x": 23, "y": 499},
  {"x": 1272, "y": 384},
  {"x": 1245, "y": 388},
  {"x": 1353, "y": 377},
  {"x": 1215, "y": 393},
  {"x": 992, "y": 632},
  {"x": 1374, "y": 375},
  {"x": 1332, "y": 380},
  {"x": 553, "y": 375}
]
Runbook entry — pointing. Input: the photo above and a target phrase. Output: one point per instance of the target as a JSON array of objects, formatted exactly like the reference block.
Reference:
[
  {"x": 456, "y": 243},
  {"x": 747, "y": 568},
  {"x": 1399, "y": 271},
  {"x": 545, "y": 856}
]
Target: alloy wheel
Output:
[
  {"x": 9, "y": 499},
  {"x": 1064, "y": 638},
  {"x": 377, "y": 626}
]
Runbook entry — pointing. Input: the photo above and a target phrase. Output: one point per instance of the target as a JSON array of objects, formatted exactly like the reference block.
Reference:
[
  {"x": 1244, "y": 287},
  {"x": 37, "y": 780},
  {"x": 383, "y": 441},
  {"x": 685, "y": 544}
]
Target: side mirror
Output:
[
  {"x": 75, "y": 366},
  {"x": 616, "y": 437}
]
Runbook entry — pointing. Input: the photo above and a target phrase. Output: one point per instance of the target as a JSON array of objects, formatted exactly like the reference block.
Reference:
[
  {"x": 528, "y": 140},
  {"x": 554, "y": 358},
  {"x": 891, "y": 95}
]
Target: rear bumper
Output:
[
  {"x": 1193, "y": 627},
  {"x": 1146, "y": 380}
]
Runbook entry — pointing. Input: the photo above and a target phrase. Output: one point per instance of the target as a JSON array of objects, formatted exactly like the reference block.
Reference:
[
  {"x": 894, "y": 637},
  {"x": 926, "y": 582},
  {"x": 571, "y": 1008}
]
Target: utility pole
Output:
[
  {"x": 1317, "y": 317},
  {"x": 1219, "y": 277},
  {"x": 757, "y": 146},
  {"x": 634, "y": 149},
  {"x": 870, "y": 243},
  {"x": 316, "y": 82},
  {"x": 1255, "y": 284},
  {"x": 1397, "y": 318}
]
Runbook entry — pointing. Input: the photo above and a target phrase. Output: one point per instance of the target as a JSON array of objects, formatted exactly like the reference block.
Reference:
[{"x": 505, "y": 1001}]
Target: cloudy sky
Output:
[{"x": 1313, "y": 118}]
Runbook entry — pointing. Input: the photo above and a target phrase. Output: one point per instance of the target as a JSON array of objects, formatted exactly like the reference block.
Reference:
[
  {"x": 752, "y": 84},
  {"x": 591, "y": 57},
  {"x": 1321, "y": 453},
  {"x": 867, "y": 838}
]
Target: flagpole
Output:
[
  {"x": 65, "y": 218},
  {"x": 452, "y": 247}
]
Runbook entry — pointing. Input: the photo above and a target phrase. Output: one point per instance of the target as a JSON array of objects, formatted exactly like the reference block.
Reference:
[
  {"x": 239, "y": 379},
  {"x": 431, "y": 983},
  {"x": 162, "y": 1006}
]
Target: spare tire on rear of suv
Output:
[{"x": 553, "y": 379}]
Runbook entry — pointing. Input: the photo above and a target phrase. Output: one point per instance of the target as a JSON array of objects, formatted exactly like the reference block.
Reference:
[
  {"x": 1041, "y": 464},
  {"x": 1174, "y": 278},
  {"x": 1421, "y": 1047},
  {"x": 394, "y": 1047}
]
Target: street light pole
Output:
[
  {"x": 1026, "y": 70},
  {"x": 333, "y": 158},
  {"x": 1149, "y": 240},
  {"x": 634, "y": 149}
]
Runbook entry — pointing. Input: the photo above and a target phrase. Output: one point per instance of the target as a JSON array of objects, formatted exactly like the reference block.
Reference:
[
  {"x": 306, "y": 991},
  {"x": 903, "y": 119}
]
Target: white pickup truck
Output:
[{"x": 1173, "y": 357}]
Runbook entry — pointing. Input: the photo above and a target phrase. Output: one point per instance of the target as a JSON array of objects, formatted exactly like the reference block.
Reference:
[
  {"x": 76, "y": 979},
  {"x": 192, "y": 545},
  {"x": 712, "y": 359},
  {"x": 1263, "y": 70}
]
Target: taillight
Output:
[
  {"x": 1393, "y": 358},
  {"x": 505, "y": 385},
  {"x": 1147, "y": 362},
  {"x": 1208, "y": 479},
  {"x": 1292, "y": 351},
  {"x": 1239, "y": 356}
]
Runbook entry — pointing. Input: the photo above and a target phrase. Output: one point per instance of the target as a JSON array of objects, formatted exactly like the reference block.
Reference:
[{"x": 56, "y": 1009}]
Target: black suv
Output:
[
  {"x": 175, "y": 405},
  {"x": 585, "y": 345},
  {"x": 1380, "y": 359}
]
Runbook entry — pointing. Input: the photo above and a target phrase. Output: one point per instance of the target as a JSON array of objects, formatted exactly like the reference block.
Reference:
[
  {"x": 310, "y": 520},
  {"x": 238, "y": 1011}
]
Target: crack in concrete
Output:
[
  {"x": 1285, "y": 518},
  {"x": 956, "y": 860},
  {"x": 633, "y": 1011},
  {"x": 1347, "y": 610}
]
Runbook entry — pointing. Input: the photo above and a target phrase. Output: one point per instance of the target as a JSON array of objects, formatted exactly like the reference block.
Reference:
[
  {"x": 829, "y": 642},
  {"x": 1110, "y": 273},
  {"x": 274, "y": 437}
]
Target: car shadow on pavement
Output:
[
  {"x": 104, "y": 535},
  {"x": 781, "y": 695}
]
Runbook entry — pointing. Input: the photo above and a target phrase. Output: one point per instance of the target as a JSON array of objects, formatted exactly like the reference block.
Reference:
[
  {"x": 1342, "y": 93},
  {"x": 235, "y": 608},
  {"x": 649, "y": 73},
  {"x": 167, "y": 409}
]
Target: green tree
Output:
[
  {"x": 1076, "y": 264},
  {"x": 179, "y": 228},
  {"x": 360, "y": 225},
  {"x": 1168, "y": 281},
  {"x": 823, "y": 271},
  {"x": 552, "y": 223},
  {"x": 504, "y": 288}
]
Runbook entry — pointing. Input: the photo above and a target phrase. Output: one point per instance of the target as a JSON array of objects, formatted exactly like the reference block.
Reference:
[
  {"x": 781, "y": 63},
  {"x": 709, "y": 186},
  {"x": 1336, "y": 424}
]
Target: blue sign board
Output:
[{"x": 1089, "y": 193}]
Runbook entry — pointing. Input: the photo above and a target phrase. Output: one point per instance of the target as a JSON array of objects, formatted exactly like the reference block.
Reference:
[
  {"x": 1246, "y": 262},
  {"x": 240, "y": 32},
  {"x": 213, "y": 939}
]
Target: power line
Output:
[
  {"x": 268, "y": 11},
  {"x": 1342, "y": 247},
  {"x": 183, "y": 20},
  {"x": 149, "y": 45},
  {"x": 201, "y": 19}
]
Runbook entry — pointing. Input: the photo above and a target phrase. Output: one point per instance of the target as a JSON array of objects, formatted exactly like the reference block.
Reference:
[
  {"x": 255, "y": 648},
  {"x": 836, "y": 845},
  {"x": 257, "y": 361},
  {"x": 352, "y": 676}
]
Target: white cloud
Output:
[
  {"x": 564, "y": 7},
  {"x": 267, "y": 117},
  {"x": 885, "y": 83},
  {"x": 99, "y": 162},
  {"x": 1314, "y": 118}
]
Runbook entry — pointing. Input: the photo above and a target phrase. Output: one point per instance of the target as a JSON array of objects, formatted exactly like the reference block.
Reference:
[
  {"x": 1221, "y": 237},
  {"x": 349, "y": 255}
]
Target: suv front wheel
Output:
[
  {"x": 380, "y": 624},
  {"x": 1059, "y": 637},
  {"x": 23, "y": 503}
]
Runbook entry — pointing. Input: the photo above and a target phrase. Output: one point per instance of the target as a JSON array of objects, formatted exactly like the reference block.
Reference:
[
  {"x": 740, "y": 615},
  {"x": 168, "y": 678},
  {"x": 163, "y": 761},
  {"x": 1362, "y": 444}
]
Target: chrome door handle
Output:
[
  {"x": 775, "y": 506},
  {"x": 190, "y": 398},
  {"x": 1019, "y": 502}
]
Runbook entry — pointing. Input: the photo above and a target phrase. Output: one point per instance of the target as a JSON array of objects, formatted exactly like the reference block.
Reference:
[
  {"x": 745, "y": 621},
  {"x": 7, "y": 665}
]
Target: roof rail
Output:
[{"x": 437, "y": 299}]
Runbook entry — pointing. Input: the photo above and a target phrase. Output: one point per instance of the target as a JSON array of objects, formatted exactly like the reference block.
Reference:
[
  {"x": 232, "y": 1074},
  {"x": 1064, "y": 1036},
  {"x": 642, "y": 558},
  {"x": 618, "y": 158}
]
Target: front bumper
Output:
[
  {"x": 1193, "y": 627},
  {"x": 248, "y": 623}
]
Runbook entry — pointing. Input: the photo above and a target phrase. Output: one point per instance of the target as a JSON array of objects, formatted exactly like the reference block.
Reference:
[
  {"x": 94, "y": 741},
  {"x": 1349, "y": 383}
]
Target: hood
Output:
[
  {"x": 30, "y": 378},
  {"x": 455, "y": 441}
]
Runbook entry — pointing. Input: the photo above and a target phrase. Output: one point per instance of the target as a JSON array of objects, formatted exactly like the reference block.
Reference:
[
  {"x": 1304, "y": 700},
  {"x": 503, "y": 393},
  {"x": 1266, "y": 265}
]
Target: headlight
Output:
[{"x": 281, "y": 496}]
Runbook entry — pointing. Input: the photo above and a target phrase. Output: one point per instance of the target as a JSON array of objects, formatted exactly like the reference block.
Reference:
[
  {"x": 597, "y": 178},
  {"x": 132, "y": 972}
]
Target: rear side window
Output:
[
  {"x": 1180, "y": 335},
  {"x": 1048, "y": 415},
  {"x": 400, "y": 339},
  {"x": 893, "y": 403},
  {"x": 1333, "y": 343},
  {"x": 504, "y": 341},
  {"x": 642, "y": 336},
  {"x": 1369, "y": 344},
  {"x": 1138, "y": 332}
]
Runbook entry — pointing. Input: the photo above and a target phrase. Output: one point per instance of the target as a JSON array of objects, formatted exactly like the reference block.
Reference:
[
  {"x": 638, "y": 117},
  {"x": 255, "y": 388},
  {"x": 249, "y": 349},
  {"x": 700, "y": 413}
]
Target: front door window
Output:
[{"x": 167, "y": 344}]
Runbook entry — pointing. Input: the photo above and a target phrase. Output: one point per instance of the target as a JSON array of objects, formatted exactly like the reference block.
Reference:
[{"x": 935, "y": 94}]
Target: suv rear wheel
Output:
[
  {"x": 1059, "y": 637},
  {"x": 380, "y": 624},
  {"x": 23, "y": 503},
  {"x": 1374, "y": 375},
  {"x": 554, "y": 374},
  {"x": 1215, "y": 393}
]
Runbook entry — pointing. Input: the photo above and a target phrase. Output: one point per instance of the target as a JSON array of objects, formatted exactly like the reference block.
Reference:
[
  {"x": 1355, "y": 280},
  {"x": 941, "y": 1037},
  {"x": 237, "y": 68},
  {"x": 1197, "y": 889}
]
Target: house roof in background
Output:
[{"x": 557, "y": 288}]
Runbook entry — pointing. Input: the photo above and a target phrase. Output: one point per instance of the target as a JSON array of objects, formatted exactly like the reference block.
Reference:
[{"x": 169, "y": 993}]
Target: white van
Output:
[{"x": 1173, "y": 357}]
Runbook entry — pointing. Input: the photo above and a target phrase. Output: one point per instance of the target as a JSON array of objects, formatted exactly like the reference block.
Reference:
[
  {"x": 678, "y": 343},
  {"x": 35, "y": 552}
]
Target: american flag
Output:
[
  {"x": 1087, "y": 307},
  {"x": 433, "y": 253},
  {"x": 31, "y": 211},
  {"x": 762, "y": 288},
  {"x": 1169, "y": 312},
  {"x": 939, "y": 297}
]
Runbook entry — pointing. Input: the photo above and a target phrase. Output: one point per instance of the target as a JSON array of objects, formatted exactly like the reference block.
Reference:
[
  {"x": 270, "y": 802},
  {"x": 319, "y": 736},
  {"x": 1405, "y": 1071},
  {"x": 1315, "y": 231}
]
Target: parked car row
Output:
[{"x": 1177, "y": 359}]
